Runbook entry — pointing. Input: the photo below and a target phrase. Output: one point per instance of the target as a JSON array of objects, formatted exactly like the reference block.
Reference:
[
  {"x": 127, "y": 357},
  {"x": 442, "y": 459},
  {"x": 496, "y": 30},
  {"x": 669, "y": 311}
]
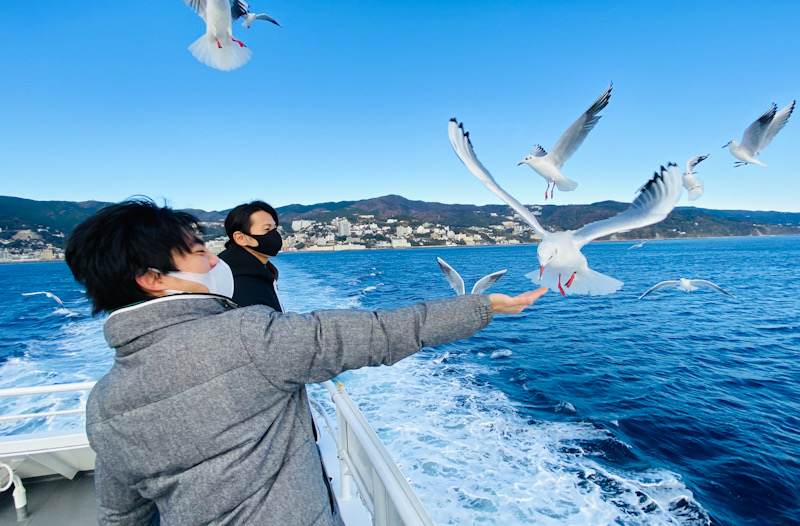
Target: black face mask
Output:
[{"x": 269, "y": 244}]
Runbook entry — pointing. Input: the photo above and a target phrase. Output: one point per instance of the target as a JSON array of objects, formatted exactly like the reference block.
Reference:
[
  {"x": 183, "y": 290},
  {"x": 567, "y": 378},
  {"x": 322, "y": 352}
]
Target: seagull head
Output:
[
  {"x": 729, "y": 144},
  {"x": 546, "y": 252},
  {"x": 526, "y": 160}
]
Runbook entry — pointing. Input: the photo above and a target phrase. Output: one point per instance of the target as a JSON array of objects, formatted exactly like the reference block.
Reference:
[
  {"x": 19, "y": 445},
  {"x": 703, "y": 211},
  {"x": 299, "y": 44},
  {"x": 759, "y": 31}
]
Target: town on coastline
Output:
[
  {"x": 38, "y": 230},
  {"x": 361, "y": 232}
]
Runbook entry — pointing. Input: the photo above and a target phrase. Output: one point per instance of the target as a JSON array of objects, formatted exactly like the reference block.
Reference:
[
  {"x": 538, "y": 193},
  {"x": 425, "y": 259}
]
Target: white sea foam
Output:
[
  {"x": 472, "y": 458},
  {"x": 502, "y": 353}
]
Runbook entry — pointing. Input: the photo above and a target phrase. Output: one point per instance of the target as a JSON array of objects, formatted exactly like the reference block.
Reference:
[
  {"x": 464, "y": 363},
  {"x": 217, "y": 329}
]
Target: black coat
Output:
[{"x": 253, "y": 281}]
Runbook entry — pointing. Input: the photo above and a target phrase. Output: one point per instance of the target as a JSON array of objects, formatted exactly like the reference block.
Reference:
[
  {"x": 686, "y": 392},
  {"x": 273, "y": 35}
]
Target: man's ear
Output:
[
  {"x": 151, "y": 282},
  {"x": 241, "y": 239}
]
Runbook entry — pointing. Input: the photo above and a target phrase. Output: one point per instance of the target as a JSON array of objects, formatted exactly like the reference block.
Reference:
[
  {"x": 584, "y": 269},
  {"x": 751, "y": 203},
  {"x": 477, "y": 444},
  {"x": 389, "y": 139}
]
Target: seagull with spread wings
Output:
[
  {"x": 561, "y": 263},
  {"x": 48, "y": 294},
  {"x": 759, "y": 134},
  {"x": 217, "y": 48},
  {"x": 548, "y": 164},
  {"x": 688, "y": 285},
  {"x": 457, "y": 283},
  {"x": 693, "y": 184}
]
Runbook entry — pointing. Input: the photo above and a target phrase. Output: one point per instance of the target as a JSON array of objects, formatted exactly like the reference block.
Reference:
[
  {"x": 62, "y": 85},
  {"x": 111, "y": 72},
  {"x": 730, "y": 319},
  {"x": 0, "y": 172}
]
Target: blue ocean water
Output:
[{"x": 681, "y": 408}]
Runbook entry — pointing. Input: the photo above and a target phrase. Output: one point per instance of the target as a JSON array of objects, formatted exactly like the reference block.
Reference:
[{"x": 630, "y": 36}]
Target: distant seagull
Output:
[
  {"x": 457, "y": 283},
  {"x": 249, "y": 17},
  {"x": 693, "y": 185},
  {"x": 48, "y": 294},
  {"x": 559, "y": 253},
  {"x": 217, "y": 48},
  {"x": 637, "y": 245},
  {"x": 548, "y": 165},
  {"x": 689, "y": 285},
  {"x": 759, "y": 134}
]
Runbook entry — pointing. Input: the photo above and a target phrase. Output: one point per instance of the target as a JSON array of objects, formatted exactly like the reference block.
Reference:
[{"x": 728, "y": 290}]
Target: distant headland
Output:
[{"x": 37, "y": 230}]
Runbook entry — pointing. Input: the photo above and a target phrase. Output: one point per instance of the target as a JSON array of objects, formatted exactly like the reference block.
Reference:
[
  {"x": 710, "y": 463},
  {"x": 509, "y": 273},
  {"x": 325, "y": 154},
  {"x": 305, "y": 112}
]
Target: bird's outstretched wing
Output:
[
  {"x": 754, "y": 134},
  {"x": 659, "y": 286},
  {"x": 264, "y": 16},
  {"x": 778, "y": 122},
  {"x": 694, "y": 161},
  {"x": 463, "y": 147},
  {"x": 706, "y": 283},
  {"x": 456, "y": 282},
  {"x": 575, "y": 134},
  {"x": 487, "y": 281},
  {"x": 239, "y": 8},
  {"x": 198, "y": 6},
  {"x": 656, "y": 200}
]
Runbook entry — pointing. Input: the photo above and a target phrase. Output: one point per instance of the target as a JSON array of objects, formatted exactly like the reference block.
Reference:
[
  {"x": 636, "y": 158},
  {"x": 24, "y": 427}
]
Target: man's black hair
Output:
[
  {"x": 238, "y": 219},
  {"x": 122, "y": 241}
]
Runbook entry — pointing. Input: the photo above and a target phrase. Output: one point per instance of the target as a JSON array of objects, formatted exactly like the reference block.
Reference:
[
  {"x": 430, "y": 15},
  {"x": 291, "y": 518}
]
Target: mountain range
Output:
[{"x": 62, "y": 216}]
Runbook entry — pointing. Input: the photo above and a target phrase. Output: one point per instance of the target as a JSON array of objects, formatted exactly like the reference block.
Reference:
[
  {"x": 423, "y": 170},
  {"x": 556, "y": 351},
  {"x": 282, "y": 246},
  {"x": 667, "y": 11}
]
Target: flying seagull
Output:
[
  {"x": 217, "y": 48},
  {"x": 759, "y": 134},
  {"x": 249, "y": 18},
  {"x": 689, "y": 285},
  {"x": 457, "y": 283},
  {"x": 693, "y": 185},
  {"x": 48, "y": 294},
  {"x": 559, "y": 253},
  {"x": 548, "y": 164},
  {"x": 638, "y": 245}
]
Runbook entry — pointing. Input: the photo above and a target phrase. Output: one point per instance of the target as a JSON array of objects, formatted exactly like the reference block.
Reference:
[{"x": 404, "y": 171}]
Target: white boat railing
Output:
[
  {"x": 42, "y": 454},
  {"x": 363, "y": 458}
]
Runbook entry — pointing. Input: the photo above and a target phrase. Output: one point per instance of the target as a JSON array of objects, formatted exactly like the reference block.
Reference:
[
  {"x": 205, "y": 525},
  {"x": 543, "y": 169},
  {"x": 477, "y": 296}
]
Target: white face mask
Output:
[{"x": 218, "y": 280}]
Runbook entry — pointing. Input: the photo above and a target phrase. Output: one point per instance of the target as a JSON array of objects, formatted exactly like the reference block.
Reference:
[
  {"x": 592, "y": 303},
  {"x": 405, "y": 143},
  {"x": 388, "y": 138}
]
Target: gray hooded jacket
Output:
[{"x": 203, "y": 418}]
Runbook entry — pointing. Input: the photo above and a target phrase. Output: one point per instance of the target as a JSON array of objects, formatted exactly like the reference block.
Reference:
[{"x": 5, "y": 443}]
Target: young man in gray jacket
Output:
[{"x": 203, "y": 417}]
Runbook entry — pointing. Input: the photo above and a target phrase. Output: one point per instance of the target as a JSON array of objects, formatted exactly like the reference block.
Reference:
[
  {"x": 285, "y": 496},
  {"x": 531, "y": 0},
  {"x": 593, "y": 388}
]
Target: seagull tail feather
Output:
[
  {"x": 696, "y": 191},
  {"x": 566, "y": 185},
  {"x": 230, "y": 56}
]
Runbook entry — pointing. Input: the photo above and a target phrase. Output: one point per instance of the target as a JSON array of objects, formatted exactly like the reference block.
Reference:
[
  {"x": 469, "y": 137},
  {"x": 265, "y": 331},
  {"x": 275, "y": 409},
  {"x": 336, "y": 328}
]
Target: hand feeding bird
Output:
[
  {"x": 217, "y": 48},
  {"x": 688, "y": 285},
  {"x": 559, "y": 253},
  {"x": 457, "y": 282},
  {"x": 693, "y": 185},
  {"x": 548, "y": 164},
  {"x": 759, "y": 134}
]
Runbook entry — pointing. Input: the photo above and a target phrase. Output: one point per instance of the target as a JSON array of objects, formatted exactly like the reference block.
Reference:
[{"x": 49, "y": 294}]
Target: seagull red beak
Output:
[
  {"x": 541, "y": 271},
  {"x": 523, "y": 162}
]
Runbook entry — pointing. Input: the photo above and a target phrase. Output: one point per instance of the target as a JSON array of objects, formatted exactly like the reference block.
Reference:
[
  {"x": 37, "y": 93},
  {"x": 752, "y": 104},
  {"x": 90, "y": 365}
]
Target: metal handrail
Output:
[
  {"x": 406, "y": 502},
  {"x": 45, "y": 389}
]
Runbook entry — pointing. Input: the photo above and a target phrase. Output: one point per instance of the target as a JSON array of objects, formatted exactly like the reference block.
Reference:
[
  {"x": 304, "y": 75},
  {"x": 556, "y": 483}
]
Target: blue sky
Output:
[{"x": 351, "y": 100}]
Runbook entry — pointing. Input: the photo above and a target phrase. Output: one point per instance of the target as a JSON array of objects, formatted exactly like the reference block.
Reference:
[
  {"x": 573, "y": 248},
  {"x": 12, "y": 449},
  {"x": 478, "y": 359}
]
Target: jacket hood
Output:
[{"x": 126, "y": 328}]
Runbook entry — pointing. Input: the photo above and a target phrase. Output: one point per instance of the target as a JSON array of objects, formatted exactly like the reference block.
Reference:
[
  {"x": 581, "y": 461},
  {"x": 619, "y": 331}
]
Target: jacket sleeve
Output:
[
  {"x": 119, "y": 504},
  {"x": 295, "y": 349}
]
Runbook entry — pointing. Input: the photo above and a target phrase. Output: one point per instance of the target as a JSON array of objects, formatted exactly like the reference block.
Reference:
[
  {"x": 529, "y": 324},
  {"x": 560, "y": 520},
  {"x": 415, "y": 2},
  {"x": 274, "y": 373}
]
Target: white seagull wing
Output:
[
  {"x": 575, "y": 134},
  {"x": 239, "y": 8},
  {"x": 694, "y": 161},
  {"x": 778, "y": 122},
  {"x": 755, "y": 133},
  {"x": 659, "y": 286},
  {"x": 706, "y": 283},
  {"x": 463, "y": 148},
  {"x": 198, "y": 6},
  {"x": 656, "y": 200},
  {"x": 456, "y": 282},
  {"x": 487, "y": 281},
  {"x": 264, "y": 16}
]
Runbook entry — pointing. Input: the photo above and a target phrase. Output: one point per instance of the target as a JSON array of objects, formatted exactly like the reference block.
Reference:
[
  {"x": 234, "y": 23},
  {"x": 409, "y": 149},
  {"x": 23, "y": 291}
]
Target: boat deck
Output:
[{"x": 54, "y": 500}]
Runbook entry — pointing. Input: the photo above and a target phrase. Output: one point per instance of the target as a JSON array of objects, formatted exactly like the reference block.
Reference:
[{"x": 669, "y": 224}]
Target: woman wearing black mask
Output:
[{"x": 253, "y": 238}]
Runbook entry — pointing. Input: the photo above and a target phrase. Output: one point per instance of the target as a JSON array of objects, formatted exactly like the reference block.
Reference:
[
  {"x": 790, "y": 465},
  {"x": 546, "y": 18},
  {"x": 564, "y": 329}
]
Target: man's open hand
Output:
[{"x": 502, "y": 304}]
